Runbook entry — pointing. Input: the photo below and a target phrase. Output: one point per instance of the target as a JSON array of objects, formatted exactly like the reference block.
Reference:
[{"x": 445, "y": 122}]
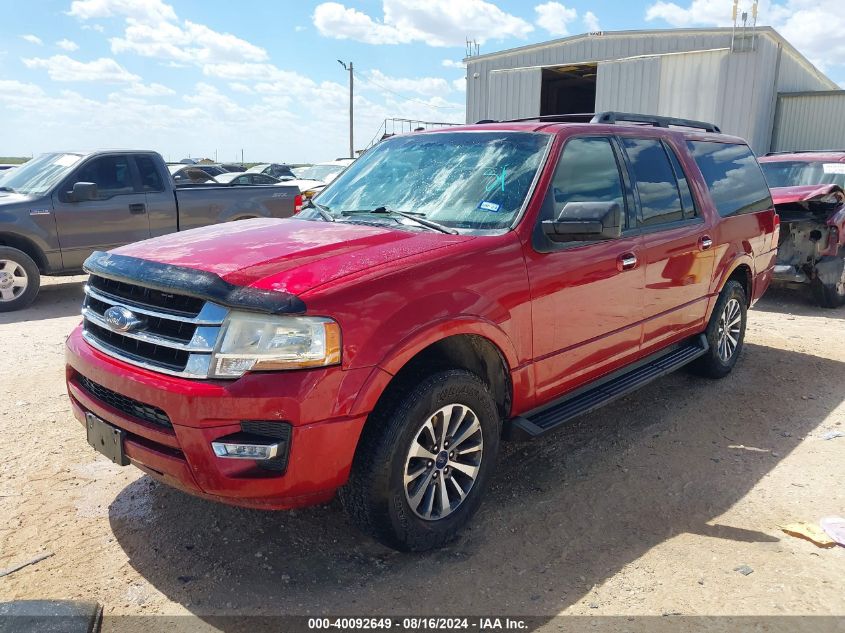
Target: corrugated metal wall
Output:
[
  {"x": 810, "y": 121},
  {"x": 514, "y": 94},
  {"x": 684, "y": 82},
  {"x": 628, "y": 85}
]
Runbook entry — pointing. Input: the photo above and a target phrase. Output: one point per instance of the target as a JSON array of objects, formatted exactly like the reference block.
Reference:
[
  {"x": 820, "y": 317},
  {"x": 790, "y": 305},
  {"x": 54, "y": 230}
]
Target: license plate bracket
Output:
[{"x": 106, "y": 439}]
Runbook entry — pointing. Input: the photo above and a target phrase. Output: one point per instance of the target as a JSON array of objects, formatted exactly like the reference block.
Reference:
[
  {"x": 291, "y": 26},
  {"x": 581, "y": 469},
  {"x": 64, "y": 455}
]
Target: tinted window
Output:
[
  {"x": 660, "y": 200},
  {"x": 587, "y": 172},
  {"x": 683, "y": 185},
  {"x": 150, "y": 178},
  {"x": 731, "y": 172},
  {"x": 111, "y": 174}
]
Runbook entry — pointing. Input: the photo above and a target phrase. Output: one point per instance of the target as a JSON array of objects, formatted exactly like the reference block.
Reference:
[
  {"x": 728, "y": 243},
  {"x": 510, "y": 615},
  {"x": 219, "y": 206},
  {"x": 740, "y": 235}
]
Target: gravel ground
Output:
[{"x": 645, "y": 507}]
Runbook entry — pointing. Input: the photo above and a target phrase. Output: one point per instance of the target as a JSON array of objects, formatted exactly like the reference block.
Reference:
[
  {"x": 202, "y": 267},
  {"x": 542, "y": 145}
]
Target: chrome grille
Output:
[{"x": 177, "y": 334}]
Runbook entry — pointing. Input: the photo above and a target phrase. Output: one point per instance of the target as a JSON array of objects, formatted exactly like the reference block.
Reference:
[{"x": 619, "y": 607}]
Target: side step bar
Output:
[{"x": 607, "y": 389}]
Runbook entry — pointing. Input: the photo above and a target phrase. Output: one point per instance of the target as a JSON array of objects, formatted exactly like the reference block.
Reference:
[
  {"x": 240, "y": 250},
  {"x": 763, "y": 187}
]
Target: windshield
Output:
[
  {"x": 471, "y": 180},
  {"x": 797, "y": 173},
  {"x": 320, "y": 172},
  {"x": 39, "y": 175}
]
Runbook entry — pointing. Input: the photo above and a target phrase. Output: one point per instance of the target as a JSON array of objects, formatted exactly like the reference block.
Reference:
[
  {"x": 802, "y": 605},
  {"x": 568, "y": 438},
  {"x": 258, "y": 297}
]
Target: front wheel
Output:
[
  {"x": 19, "y": 279},
  {"x": 725, "y": 333},
  {"x": 423, "y": 464}
]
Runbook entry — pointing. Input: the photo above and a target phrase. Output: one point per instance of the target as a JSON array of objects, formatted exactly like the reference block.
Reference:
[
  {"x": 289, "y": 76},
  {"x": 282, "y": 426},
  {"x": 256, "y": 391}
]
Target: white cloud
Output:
[
  {"x": 435, "y": 22},
  {"x": 554, "y": 17},
  {"x": 32, "y": 39},
  {"x": 814, "y": 27},
  {"x": 460, "y": 84},
  {"x": 149, "y": 11},
  {"x": 452, "y": 63},
  {"x": 149, "y": 90},
  {"x": 426, "y": 86},
  {"x": 152, "y": 29},
  {"x": 63, "y": 68},
  {"x": 237, "y": 86},
  {"x": 67, "y": 45},
  {"x": 299, "y": 28},
  {"x": 591, "y": 22}
]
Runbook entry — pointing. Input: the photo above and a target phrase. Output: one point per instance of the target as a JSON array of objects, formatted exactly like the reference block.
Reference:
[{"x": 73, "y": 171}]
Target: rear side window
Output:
[
  {"x": 660, "y": 199},
  {"x": 587, "y": 172},
  {"x": 150, "y": 178},
  {"x": 733, "y": 177}
]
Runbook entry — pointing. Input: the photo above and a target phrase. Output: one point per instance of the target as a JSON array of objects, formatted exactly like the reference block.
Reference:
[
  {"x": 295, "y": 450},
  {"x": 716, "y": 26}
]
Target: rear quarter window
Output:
[{"x": 734, "y": 178}]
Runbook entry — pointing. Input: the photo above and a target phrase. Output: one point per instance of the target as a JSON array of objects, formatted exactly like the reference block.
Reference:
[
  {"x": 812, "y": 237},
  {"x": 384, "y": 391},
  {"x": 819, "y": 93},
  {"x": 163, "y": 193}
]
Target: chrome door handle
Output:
[
  {"x": 628, "y": 261},
  {"x": 137, "y": 209},
  {"x": 705, "y": 242}
]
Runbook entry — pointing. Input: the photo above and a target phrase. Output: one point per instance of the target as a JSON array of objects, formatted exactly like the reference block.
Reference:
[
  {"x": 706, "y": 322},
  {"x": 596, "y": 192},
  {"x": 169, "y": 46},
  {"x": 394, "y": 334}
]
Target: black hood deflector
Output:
[{"x": 191, "y": 282}]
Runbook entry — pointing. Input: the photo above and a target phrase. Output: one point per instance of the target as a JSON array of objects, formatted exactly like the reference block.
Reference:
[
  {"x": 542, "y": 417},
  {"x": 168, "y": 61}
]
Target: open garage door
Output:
[{"x": 568, "y": 89}]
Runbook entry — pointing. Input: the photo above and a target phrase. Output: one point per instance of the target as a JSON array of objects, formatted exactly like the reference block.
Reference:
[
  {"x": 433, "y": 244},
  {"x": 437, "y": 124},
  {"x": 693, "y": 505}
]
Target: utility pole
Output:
[{"x": 351, "y": 80}]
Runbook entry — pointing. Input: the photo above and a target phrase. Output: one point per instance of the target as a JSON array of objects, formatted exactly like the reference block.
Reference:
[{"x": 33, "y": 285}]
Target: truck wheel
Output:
[
  {"x": 424, "y": 462},
  {"x": 19, "y": 279},
  {"x": 725, "y": 333},
  {"x": 831, "y": 295}
]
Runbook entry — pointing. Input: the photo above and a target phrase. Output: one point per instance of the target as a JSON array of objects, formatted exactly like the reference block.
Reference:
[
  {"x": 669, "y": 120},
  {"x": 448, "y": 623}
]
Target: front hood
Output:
[
  {"x": 287, "y": 255},
  {"x": 803, "y": 193},
  {"x": 9, "y": 197}
]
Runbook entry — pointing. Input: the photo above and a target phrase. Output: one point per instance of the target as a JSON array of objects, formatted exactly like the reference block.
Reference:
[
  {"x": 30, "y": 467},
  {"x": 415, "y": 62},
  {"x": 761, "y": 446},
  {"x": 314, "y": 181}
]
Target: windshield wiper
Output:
[
  {"x": 323, "y": 211},
  {"x": 419, "y": 220}
]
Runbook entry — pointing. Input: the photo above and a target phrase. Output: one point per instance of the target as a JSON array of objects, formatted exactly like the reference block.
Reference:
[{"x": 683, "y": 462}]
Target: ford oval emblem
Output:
[{"x": 122, "y": 319}]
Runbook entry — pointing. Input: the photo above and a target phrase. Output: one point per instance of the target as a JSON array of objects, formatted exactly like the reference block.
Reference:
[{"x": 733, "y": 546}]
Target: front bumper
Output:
[{"x": 316, "y": 403}]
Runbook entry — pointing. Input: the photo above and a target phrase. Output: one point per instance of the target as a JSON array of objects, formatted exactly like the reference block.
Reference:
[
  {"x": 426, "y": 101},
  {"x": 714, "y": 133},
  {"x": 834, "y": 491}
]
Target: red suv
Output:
[{"x": 449, "y": 289}]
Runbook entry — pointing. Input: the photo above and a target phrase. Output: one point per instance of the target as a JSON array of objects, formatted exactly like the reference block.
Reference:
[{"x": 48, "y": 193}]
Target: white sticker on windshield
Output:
[
  {"x": 66, "y": 160},
  {"x": 489, "y": 206},
  {"x": 834, "y": 168}
]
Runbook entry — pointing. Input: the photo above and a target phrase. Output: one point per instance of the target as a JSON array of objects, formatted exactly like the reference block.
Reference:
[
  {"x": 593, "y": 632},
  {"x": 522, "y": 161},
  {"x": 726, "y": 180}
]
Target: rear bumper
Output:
[{"x": 316, "y": 403}]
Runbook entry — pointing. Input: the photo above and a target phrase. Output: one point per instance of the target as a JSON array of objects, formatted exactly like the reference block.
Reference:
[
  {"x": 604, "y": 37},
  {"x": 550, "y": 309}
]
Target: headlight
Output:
[{"x": 254, "y": 342}]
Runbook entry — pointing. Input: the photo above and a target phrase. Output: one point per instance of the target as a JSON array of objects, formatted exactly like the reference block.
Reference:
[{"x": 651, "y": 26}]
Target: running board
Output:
[{"x": 605, "y": 390}]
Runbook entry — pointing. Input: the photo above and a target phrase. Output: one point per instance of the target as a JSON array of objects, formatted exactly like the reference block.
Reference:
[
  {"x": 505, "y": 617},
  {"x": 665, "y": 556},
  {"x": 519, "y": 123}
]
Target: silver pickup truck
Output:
[{"x": 60, "y": 207}]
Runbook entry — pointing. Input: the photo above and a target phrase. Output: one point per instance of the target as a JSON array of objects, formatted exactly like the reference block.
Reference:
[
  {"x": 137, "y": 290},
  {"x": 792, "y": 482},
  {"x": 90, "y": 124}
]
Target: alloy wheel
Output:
[
  {"x": 730, "y": 325},
  {"x": 13, "y": 280},
  {"x": 443, "y": 462}
]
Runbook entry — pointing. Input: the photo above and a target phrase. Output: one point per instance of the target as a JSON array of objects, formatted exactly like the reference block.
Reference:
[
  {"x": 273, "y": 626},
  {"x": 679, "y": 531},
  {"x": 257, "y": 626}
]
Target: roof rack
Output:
[
  {"x": 612, "y": 118},
  {"x": 807, "y": 151}
]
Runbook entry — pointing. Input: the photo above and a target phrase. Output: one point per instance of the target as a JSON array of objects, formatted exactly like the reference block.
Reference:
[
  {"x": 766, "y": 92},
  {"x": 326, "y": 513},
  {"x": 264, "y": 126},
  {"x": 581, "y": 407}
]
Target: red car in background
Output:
[
  {"x": 448, "y": 289},
  {"x": 807, "y": 188}
]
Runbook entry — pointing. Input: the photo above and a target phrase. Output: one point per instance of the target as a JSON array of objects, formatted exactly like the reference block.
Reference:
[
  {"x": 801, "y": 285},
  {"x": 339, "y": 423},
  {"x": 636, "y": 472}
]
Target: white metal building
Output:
[{"x": 753, "y": 84}]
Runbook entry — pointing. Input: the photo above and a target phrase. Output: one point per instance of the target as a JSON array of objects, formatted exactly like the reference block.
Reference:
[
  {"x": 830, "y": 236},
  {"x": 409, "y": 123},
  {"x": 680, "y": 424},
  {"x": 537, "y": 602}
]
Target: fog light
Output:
[{"x": 237, "y": 450}]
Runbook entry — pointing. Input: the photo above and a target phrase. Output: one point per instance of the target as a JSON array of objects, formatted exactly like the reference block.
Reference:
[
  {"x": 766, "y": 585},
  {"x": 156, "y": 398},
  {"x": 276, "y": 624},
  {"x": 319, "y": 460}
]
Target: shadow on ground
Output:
[
  {"x": 564, "y": 513},
  {"x": 797, "y": 302},
  {"x": 58, "y": 297}
]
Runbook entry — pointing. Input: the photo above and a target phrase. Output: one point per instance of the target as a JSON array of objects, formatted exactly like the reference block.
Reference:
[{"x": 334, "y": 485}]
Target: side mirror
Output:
[
  {"x": 83, "y": 191},
  {"x": 585, "y": 222}
]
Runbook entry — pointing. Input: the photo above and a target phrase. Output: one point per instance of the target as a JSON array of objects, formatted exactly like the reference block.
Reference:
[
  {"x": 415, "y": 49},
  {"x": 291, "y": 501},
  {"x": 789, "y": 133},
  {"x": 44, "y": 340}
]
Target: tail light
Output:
[
  {"x": 776, "y": 231},
  {"x": 297, "y": 203}
]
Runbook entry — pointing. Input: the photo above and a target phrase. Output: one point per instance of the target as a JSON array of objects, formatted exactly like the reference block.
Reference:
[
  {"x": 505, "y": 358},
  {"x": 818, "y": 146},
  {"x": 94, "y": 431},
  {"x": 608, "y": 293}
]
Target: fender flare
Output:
[{"x": 421, "y": 338}]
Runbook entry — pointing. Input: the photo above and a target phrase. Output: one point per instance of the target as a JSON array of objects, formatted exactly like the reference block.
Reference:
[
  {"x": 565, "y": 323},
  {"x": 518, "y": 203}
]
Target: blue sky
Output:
[{"x": 193, "y": 78}]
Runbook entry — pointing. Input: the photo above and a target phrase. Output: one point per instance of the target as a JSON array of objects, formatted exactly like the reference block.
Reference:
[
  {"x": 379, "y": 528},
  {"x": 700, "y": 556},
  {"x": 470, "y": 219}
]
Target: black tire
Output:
[
  {"x": 831, "y": 295},
  {"x": 375, "y": 496},
  {"x": 33, "y": 279},
  {"x": 713, "y": 364}
]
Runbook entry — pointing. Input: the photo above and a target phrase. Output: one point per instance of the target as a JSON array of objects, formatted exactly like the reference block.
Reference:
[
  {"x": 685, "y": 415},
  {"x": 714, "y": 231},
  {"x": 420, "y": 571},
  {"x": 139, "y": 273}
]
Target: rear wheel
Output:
[
  {"x": 831, "y": 294},
  {"x": 725, "y": 333},
  {"x": 423, "y": 464},
  {"x": 19, "y": 279}
]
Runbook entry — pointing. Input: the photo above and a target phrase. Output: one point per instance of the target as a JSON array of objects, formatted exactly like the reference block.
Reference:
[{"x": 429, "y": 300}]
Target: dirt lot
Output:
[{"x": 645, "y": 507}]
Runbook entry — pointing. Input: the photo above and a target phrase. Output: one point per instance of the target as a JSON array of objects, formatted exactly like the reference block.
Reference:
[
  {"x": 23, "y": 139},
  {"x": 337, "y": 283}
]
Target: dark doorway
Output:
[{"x": 568, "y": 89}]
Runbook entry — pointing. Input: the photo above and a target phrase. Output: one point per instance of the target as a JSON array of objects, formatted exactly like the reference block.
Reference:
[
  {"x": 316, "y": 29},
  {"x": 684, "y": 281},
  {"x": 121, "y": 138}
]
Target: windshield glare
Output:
[
  {"x": 40, "y": 175},
  {"x": 471, "y": 180},
  {"x": 797, "y": 173}
]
